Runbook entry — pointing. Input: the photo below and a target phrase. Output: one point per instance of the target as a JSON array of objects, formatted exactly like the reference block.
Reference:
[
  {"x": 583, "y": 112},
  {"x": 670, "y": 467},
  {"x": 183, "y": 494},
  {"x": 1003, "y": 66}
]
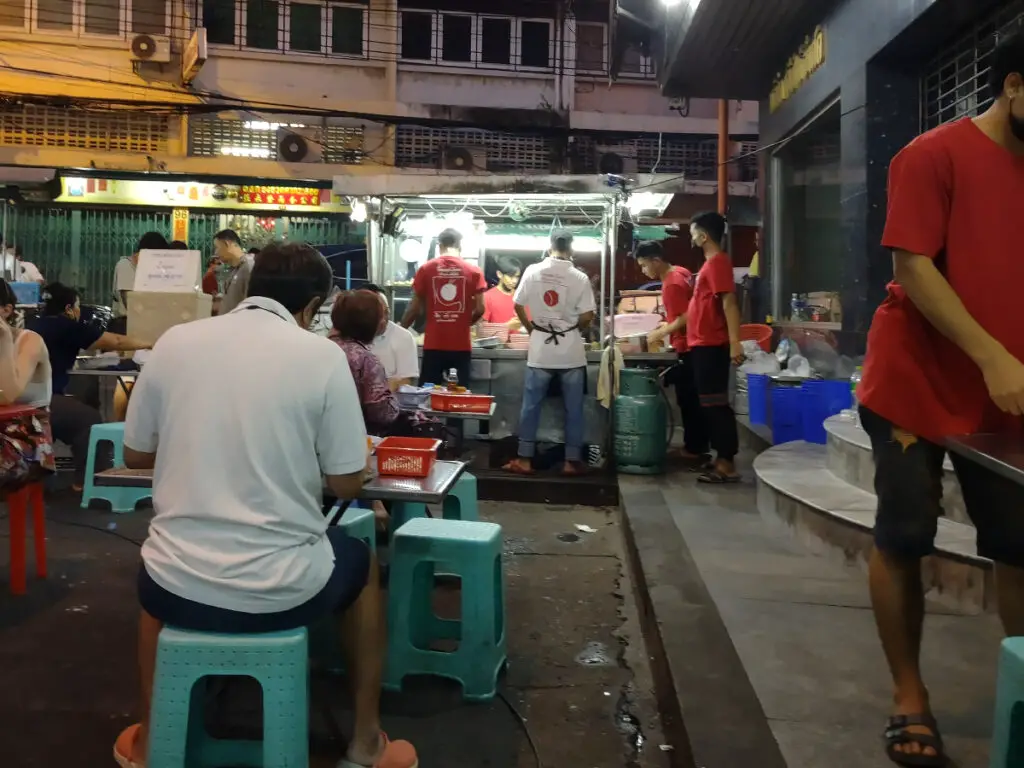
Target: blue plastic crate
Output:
[
  {"x": 822, "y": 399},
  {"x": 787, "y": 419},
  {"x": 26, "y": 293},
  {"x": 757, "y": 398}
]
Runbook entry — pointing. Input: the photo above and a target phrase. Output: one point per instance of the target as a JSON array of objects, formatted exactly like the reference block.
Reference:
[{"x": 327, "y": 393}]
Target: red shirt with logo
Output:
[
  {"x": 498, "y": 306},
  {"x": 448, "y": 287},
  {"x": 705, "y": 321},
  {"x": 676, "y": 291},
  {"x": 955, "y": 197}
]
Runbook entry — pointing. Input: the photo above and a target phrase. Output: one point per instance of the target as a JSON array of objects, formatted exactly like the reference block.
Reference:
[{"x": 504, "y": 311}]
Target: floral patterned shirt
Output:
[{"x": 380, "y": 406}]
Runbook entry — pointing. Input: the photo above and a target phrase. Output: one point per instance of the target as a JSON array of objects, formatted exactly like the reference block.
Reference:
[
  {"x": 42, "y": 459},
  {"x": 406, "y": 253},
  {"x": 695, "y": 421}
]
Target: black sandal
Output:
[
  {"x": 896, "y": 735},
  {"x": 714, "y": 477}
]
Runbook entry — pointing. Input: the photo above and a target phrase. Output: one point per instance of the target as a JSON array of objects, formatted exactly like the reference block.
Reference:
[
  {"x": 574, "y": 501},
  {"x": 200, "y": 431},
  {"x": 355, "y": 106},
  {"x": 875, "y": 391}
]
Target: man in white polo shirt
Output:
[
  {"x": 555, "y": 304},
  {"x": 238, "y": 542},
  {"x": 395, "y": 347}
]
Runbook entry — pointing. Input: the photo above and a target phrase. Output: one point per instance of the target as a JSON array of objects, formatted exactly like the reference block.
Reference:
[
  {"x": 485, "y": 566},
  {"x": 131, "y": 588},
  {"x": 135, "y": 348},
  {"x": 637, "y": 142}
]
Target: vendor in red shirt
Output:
[
  {"x": 713, "y": 336},
  {"x": 450, "y": 292},
  {"x": 676, "y": 291},
  {"x": 944, "y": 358},
  {"x": 498, "y": 304}
]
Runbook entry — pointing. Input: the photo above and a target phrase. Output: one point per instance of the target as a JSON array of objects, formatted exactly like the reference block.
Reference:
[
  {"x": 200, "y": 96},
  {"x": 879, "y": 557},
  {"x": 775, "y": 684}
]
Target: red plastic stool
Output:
[{"x": 18, "y": 503}]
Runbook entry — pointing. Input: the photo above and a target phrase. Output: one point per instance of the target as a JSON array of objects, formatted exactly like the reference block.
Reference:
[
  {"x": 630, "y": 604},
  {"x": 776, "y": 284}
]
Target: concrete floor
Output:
[
  {"x": 578, "y": 670},
  {"x": 801, "y": 637}
]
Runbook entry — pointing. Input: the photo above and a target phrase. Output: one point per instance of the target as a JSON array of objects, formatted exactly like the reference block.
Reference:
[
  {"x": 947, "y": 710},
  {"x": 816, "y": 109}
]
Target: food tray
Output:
[
  {"x": 407, "y": 456},
  {"x": 455, "y": 403}
]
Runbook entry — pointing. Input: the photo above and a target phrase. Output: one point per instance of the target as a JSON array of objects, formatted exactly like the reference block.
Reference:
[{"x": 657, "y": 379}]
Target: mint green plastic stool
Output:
[
  {"x": 277, "y": 660},
  {"x": 472, "y": 551},
  {"x": 360, "y": 524},
  {"x": 461, "y": 501},
  {"x": 1008, "y": 735},
  {"x": 404, "y": 511},
  {"x": 103, "y": 433}
]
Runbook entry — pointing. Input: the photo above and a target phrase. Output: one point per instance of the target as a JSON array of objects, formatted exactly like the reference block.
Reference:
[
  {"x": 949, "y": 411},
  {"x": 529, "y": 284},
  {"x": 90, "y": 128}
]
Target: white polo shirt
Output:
[
  {"x": 556, "y": 294},
  {"x": 246, "y": 412},
  {"x": 396, "y": 350}
]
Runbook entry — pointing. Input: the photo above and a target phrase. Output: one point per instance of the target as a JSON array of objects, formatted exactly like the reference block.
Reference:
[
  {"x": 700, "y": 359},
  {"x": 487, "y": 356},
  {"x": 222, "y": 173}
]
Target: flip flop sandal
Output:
[
  {"x": 123, "y": 747},
  {"x": 701, "y": 466},
  {"x": 896, "y": 735},
  {"x": 714, "y": 477},
  {"x": 516, "y": 469},
  {"x": 396, "y": 754}
]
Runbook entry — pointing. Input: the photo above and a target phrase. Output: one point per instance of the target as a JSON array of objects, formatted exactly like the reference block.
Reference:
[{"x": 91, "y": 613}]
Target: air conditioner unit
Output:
[
  {"x": 151, "y": 48},
  {"x": 295, "y": 145},
  {"x": 616, "y": 159},
  {"x": 467, "y": 159}
]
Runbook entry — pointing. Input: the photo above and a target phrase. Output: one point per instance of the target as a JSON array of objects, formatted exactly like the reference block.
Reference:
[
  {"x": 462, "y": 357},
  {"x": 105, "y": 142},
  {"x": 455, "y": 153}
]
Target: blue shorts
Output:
[{"x": 351, "y": 570}]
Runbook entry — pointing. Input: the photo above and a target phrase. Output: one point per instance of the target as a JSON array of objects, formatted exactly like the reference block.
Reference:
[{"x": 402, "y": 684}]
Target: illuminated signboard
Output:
[{"x": 798, "y": 70}]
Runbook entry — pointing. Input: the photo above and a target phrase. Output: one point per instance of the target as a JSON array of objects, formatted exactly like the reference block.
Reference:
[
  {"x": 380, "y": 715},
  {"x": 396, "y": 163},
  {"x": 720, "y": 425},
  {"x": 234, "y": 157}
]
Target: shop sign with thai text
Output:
[
  {"x": 281, "y": 195},
  {"x": 798, "y": 70}
]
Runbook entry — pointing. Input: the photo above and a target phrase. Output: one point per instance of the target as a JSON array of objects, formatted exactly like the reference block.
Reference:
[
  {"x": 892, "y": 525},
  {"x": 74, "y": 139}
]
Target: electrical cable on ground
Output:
[{"x": 526, "y": 729}]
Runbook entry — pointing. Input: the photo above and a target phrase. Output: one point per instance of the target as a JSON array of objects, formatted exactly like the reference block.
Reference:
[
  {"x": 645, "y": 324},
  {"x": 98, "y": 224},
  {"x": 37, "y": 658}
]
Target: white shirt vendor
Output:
[
  {"x": 556, "y": 294},
  {"x": 237, "y": 486},
  {"x": 396, "y": 350}
]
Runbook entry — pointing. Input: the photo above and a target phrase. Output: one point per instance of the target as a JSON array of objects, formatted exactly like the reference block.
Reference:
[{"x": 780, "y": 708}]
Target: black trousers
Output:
[
  {"x": 71, "y": 421},
  {"x": 437, "y": 362},
  {"x": 711, "y": 367},
  {"x": 696, "y": 439}
]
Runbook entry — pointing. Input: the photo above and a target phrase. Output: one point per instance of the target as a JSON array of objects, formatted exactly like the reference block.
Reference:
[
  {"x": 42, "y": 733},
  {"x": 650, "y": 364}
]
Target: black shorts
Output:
[
  {"x": 908, "y": 484},
  {"x": 351, "y": 569},
  {"x": 437, "y": 362}
]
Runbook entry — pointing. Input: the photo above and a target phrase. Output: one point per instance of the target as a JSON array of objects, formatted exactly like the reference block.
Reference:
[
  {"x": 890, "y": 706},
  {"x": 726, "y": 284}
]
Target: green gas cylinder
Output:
[{"x": 640, "y": 422}]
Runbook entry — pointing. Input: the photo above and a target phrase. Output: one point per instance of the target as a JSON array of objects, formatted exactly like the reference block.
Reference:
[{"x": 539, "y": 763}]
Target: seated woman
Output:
[
  {"x": 356, "y": 317},
  {"x": 26, "y": 445},
  {"x": 64, "y": 336}
]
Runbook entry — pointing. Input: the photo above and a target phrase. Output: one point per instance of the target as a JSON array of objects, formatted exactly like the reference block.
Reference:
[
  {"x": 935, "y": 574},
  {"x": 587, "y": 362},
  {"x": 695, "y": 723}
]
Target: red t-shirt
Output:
[
  {"x": 676, "y": 290},
  {"x": 954, "y": 196},
  {"x": 705, "y": 322},
  {"x": 210, "y": 283},
  {"x": 448, "y": 287},
  {"x": 498, "y": 306}
]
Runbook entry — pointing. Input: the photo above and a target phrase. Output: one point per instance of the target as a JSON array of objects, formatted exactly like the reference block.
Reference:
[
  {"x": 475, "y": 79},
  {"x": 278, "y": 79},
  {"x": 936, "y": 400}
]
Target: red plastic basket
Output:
[
  {"x": 762, "y": 334},
  {"x": 468, "y": 403},
  {"x": 407, "y": 456}
]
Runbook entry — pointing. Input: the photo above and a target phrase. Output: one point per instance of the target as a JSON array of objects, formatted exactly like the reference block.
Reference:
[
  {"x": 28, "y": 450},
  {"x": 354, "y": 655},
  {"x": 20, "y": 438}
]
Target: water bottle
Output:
[
  {"x": 852, "y": 413},
  {"x": 451, "y": 379},
  {"x": 794, "y": 307}
]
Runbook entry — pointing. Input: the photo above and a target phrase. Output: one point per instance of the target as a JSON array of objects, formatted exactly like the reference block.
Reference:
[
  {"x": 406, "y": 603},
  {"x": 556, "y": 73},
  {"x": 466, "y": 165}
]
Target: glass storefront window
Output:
[{"x": 809, "y": 235}]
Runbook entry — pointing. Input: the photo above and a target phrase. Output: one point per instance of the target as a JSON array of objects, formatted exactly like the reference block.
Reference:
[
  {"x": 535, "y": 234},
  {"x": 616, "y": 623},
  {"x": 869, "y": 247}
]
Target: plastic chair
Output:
[
  {"x": 360, "y": 524},
  {"x": 278, "y": 661},
  {"x": 461, "y": 501},
  {"x": 112, "y": 433},
  {"x": 18, "y": 503},
  {"x": 404, "y": 511},
  {"x": 471, "y": 550},
  {"x": 1008, "y": 734}
]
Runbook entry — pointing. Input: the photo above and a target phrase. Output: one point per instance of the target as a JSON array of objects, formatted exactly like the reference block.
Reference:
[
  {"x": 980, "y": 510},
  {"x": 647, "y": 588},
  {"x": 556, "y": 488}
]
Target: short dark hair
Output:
[
  {"x": 7, "y": 294},
  {"x": 152, "y": 241},
  {"x": 1006, "y": 59},
  {"x": 713, "y": 225},
  {"x": 228, "y": 236},
  {"x": 561, "y": 241},
  {"x": 373, "y": 288},
  {"x": 57, "y": 297},
  {"x": 177, "y": 245},
  {"x": 292, "y": 274},
  {"x": 449, "y": 238},
  {"x": 649, "y": 249},
  {"x": 507, "y": 265},
  {"x": 253, "y": 251},
  {"x": 357, "y": 315}
]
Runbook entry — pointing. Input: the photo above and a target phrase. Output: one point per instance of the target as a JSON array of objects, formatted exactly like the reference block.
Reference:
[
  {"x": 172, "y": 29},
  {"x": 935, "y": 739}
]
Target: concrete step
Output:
[
  {"x": 849, "y": 459},
  {"x": 796, "y": 489}
]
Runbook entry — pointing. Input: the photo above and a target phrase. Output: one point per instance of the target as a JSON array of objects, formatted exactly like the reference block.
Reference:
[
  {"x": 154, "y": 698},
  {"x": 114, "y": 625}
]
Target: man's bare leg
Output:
[
  {"x": 1010, "y": 594},
  {"x": 133, "y": 742},
  {"x": 897, "y": 597},
  {"x": 364, "y": 643}
]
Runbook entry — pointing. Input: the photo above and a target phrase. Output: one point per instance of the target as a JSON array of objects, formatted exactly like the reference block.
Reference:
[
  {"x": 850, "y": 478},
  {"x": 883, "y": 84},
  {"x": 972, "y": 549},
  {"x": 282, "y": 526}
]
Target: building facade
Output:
[{"x": 295, "y": 92}]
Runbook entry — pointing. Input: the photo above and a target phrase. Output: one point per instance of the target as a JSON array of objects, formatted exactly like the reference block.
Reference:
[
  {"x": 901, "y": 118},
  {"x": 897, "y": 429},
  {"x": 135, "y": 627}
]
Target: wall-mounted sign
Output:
[
  {"x": 798, "y": 69},
  {"x": 179, "y": 224},
  {"x": 188, "y": 194}
]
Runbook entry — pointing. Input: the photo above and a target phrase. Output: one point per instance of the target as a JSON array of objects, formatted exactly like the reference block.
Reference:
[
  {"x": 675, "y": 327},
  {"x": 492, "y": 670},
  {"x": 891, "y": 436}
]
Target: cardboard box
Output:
[{"x": 151, "y": 314}]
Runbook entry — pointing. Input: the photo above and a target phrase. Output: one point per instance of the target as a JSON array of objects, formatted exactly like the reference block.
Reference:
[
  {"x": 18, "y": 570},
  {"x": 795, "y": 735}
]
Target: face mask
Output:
[{"x": 1016, "y": 124}]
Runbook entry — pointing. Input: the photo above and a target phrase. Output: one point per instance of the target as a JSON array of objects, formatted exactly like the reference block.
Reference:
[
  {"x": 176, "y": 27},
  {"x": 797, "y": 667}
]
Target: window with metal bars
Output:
[
  {"x": 211, "y": 136},
  {"x": 106, "y": 130},
  {"x": 319, "y": 27},
  {"x": 479, "y": 41},
  {"x": 102, "y": 18},
  {"x": 955, "y": 83}
]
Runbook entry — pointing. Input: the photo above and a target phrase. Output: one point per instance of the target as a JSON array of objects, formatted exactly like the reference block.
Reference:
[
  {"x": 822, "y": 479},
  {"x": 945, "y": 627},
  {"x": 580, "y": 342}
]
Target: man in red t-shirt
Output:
[
  {"x": 676, "y": 290},
  {"x": 944, "y": 358},
  {"x": 499, "y": 306},
  {"x": 713, "y": 336},
  {"x": 450, "y": 292}
]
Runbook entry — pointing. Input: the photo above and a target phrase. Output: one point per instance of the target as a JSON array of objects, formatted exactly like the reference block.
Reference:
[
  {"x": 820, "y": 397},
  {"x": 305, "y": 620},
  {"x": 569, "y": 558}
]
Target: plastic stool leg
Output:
[
  {"x": 402, "y": 512},
  {"x": 16, "y": 510},
  {"x": 35, "y": 496},
  {"x": 90, "y": 470}
]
